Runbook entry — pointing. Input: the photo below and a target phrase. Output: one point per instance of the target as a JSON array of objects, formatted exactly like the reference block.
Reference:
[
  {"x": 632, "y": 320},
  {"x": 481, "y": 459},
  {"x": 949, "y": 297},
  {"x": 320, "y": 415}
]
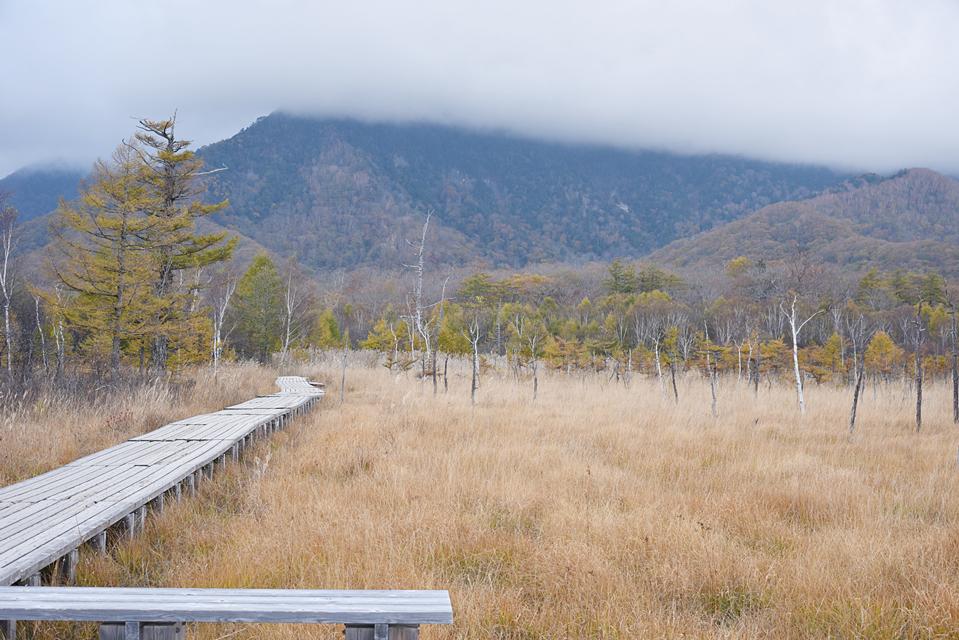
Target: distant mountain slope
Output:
[
  {"x": 340, "y": 193},
  {"x": 908, "y": 221},
  {"x": 35, "y": 191}
]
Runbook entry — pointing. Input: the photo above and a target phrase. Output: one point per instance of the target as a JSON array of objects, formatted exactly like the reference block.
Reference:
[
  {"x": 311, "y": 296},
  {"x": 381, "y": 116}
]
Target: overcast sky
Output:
[{"x": 861, "y": 84}]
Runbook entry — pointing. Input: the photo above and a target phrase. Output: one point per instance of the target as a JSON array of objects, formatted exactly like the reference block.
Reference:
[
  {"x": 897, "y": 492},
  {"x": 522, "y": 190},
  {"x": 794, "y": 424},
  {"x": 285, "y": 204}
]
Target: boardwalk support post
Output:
[
  {"x": 8, "y": 630},
  {"x": 130, "y": 525},
  {"x": 68, "y": 566},
  {"x": 100, "y": 542},
  {"x": 381, "y": 632},
  {"x": 142, "y": 631}
]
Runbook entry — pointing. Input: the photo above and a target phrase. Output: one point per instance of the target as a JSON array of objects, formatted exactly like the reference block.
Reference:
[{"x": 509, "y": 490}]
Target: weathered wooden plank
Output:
[
  {"x": 218, "y": 427},
  {"x": 55, "y": 481},
  {"x": 226, "y": 605}
]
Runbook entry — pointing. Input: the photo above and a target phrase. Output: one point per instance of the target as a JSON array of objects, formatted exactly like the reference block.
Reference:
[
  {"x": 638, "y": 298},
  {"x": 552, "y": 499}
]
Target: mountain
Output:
[
  {"x": 340, "y": 193},
  {"x": 908, "y": 221},
  {"x": 343, "y": 194},
  {"x": 35, "y": 191}
]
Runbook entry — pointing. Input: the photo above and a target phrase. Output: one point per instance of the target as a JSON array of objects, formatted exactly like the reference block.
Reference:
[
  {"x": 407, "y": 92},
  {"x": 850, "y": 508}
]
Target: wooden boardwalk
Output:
[
  {"x": 45, "y": 519},
  {"x": 97, "y": 604}
]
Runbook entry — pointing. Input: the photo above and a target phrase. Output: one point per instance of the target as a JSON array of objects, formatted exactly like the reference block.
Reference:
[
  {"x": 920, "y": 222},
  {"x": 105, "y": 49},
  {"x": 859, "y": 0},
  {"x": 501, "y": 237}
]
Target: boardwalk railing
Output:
[
  {"x": 160, "y": 614},
  {"x": 46, "y": 519}
]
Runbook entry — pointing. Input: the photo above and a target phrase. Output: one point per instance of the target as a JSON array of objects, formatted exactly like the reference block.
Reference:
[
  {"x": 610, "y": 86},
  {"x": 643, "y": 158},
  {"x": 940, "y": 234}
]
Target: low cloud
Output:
[{"x": 859, "y": 84}]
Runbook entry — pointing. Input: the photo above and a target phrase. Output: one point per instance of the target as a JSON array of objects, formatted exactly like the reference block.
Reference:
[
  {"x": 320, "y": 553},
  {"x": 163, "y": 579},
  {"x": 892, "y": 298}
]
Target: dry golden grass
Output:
[
  {"x": 42, "y": 431},
  {"x": 597, "y": 512}
]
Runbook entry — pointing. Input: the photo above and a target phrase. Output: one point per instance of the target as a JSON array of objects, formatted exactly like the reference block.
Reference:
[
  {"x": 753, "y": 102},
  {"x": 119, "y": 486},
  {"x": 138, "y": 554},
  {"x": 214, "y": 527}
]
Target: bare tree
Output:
[
  {"x": 43, "y": 339},
  {"x": 678, "y": 326},
  {"x": 955, "y": 367},
  {"x": 838, "y": 312},
  {"x": 221, "y": 302},
  {"x": 473, "y": 333},
  {"x": 657, "y": 339},
  {"x": 438, "y": 325},
  {"x": 710, "y": 368},
  {"x": 293, "y": 305},
  {"x": 795, "y": 327},
  {"x": 741, "y": 331},
  {"x": 346, "y": 352},
  {"x": 418, "y": 312},
  {"x": 59, "y": 336},
  {"x": 861, "y": 333},
  {"x": 8, "y": 220},
  {"x": 918, "y": 338}
]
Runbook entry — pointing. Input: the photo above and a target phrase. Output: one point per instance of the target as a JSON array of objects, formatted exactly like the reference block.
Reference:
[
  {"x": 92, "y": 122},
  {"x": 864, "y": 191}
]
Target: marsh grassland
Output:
[{"x": 597, "y": 511}]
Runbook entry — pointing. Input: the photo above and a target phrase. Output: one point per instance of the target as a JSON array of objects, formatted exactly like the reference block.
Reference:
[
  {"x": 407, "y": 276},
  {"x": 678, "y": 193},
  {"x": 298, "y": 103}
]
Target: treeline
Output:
[
  {"x": 130, "y": 285},
  {"x": 796, "y": 322}
]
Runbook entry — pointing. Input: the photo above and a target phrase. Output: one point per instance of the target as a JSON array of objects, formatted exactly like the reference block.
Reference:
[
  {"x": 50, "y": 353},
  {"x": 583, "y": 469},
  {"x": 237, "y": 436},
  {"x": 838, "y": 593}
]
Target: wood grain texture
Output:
[{"x": 226, "y": 605}]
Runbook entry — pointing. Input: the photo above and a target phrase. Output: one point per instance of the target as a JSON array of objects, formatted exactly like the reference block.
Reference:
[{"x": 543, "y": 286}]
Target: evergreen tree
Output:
[
  {"x": 172, "y": 174},
  {"x": 326, "y": 332},
  {"x": 103, "y": 258},
  {"x": 622, "y": 278},
  {"x": 257, "y": 310},
  {"x": 451, "y": 337}
]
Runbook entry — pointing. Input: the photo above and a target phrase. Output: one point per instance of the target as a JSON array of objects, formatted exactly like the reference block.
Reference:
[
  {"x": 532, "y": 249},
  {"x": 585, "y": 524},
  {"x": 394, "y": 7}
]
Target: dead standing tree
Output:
[
  {"x": 860, "y": 332},
  {"x": 955, "y": 367},
  {"x": 59, "y": 334},
  {"x": 475, "y": 319},
  {"x": 420, "y": 324},
  {"x": 795, "y": 328},
  {"x": 293, "y": 303},
  {"x": 918, "y": 338},
  {"x": 221, "y": 302},
  {"x": 40, "y": 334},
  {"x": 436, "y": 352},
  {"x": 710, "y": 367},
  {"x": 474, "y": 334},
  {"x": 649, "y": 329},
  {"x": 8, "y": 220}
]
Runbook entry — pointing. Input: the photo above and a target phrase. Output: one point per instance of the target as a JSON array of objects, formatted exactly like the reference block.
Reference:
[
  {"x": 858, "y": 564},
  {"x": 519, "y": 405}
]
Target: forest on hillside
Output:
[
  {"x": 353, "y": 191},
  {"x": 907, "y": 221},
  {"x": 132, "y": 288}
]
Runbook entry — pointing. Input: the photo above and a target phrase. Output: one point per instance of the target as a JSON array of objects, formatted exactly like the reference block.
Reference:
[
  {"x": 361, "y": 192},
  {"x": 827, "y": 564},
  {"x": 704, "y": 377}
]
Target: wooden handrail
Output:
[{"x": 160, "y": 614}]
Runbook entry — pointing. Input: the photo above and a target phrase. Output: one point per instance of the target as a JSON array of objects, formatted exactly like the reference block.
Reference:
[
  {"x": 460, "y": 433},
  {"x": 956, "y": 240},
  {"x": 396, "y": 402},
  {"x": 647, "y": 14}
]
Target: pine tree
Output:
[
  {"x": 622, "y": 278},
  {"x": 103, "y": 258},
  {"x": 172, "y": 173}
]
